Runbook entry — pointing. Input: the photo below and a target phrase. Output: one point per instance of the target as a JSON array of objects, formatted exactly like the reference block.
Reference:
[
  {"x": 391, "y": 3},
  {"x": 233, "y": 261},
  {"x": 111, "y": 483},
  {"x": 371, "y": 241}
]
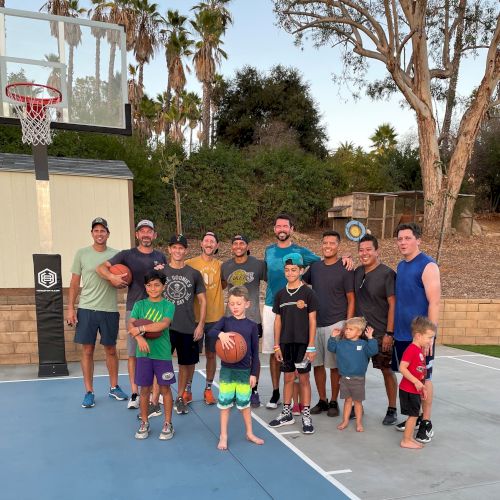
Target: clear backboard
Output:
[{"x": 85, "y": 60}]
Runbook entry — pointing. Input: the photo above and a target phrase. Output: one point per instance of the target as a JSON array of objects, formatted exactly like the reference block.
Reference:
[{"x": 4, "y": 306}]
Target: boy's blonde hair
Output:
[
  {"x": 421, "y": 324},
  {"x": 239, "y": 291},
  {"x": 357, "y": 322}
]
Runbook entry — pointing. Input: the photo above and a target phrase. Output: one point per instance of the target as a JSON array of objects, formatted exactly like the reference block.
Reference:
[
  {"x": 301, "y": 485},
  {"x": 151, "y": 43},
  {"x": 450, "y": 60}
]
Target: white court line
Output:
[
  {"x": 289, "y": 432},
  {"x": 476, "y": 364},
  {"x": 341, "y": 471},
  {"x": 300, "y": 454}
]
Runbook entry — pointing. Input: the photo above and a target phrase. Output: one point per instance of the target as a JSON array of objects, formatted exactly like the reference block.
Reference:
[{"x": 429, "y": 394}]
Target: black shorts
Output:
[
  {"x": 409, "y": 403},
  {"x": 90, "y": 322},
  {"x": 206, "y": 341},
  {"x": 293, "y": 353},
  {"x": 186, "y": 347},
  {"x": 398, "y": 350},
  {"x": 259, "y": 329}
]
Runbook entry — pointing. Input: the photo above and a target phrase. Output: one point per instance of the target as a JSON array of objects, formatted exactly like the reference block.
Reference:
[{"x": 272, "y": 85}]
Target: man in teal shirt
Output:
[{"x": 97, "y": 311}]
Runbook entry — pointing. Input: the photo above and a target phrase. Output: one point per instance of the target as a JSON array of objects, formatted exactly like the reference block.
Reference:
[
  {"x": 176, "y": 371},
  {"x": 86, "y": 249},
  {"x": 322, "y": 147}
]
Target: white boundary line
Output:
[
  {"x": 476, "y": 364},
  {"x": 289, "y": 432},
  {"x": 341, "y": 471},
  {"x": 300, "y": 454}
]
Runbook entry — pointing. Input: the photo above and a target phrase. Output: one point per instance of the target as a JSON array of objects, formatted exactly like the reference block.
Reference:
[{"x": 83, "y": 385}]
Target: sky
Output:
[{"x": 255, "y": 39}]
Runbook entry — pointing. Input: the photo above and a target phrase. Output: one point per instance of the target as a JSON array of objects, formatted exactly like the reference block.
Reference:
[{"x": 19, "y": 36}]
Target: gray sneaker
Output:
[
  {"x": 143, "y": 431},
  {"x": 167, "y": 432},
  {"x": 153, "y": 411},
  {"x": 181, "y": 407}
]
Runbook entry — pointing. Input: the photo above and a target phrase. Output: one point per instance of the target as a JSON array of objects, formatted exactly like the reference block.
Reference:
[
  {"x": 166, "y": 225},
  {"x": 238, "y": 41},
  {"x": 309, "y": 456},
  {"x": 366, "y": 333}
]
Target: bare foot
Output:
[
  {"x": 222, "y": 443},
  {"x": 412, "y": 444},
  {"x": 360, "y": 428},
  {"x": 254, "y": 439},
  {"x": 342, "y": 426}
]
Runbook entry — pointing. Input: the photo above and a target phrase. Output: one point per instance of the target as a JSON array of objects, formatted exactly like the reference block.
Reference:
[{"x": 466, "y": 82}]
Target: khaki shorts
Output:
[
  {"x": 323, "y": 356},
  {"x": 268, "y": 330},
  {"x": 352, "y": 387}
]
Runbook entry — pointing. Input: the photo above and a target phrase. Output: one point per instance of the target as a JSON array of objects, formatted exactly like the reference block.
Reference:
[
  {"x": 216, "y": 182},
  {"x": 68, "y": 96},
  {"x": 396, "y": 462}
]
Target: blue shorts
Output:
[
  {"x": 147, "y": 368},
  {"x": 90, "y": 322},
  {"x": 398, "y": 350}
]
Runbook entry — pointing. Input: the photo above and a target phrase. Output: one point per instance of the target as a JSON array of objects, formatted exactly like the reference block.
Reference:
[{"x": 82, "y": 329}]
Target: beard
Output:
[{"x": 283, "y": 236}]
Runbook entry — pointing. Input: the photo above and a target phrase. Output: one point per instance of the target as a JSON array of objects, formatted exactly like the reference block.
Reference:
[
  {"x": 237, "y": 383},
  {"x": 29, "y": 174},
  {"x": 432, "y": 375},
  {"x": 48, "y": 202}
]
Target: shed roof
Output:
[{"x": 116, "y": 169}]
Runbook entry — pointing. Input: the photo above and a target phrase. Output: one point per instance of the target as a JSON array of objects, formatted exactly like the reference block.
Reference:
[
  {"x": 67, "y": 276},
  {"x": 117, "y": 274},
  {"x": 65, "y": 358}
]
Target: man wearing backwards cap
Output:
[
  {"x": 210, "y": 269},
  {"x": 140, "y": 260},
  {"x": 245, "y": 270},
  {"x": 97, "y": 310}
]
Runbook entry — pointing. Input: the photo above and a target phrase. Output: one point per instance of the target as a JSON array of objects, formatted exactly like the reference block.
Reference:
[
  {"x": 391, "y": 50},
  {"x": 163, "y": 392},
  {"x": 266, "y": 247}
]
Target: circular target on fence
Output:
[{"x": 355, "y": 230}]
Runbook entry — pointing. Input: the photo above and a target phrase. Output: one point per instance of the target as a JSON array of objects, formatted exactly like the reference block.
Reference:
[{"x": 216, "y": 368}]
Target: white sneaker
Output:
[{"x": 133, "y": 402}]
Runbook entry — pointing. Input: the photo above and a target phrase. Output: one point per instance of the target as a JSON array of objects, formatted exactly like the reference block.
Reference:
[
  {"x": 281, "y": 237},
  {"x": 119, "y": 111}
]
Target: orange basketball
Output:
[
  {"x": 122, "y": 269},
  {"x": 236, "y": 353}
]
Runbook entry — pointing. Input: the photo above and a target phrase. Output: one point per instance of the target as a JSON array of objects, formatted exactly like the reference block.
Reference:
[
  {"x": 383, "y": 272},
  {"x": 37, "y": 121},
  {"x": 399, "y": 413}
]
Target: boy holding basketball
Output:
[
  {"x": 154, "y": 356},
  {"x": 295, "y": 307},
  {"x": 237, "y": 379},
  {"x": 412, "y": 389}
]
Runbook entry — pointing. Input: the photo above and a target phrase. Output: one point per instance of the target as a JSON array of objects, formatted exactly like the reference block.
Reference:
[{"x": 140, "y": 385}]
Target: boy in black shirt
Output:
[{"x": 295, "y": 307}]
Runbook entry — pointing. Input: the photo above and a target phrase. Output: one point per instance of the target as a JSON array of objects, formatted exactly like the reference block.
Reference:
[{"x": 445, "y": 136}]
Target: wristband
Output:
[
  {"x": 311, "y": 349},
  {"x": 277, "y": 348},
  {"x": 390, "y": 334}
]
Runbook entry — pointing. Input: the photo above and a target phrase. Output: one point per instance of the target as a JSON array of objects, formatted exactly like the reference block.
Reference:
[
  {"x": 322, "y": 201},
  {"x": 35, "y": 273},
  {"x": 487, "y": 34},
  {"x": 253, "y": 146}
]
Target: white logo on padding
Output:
[
  {"x": 47, "y": 278},
  {"x": 168, "y": 376}
]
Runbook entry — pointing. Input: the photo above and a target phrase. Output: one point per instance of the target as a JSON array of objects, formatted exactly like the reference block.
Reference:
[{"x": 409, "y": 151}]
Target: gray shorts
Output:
[
  {"x": 323, "y": 356},
  {"x": 352, "y": 387},
  {"x": 131, "y": 343}
]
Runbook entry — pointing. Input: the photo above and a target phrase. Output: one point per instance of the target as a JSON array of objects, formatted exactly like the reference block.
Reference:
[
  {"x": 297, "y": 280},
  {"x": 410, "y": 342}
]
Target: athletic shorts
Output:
[
  {"x": 131, "y": 342},
  {"x": 381, "y": 359},
  {"x": 147, "y": 368},
  {"x": 268, "y": 330},
  {"x": 352, "y": 387},
  {"x": 398, "y": 350},
  {"x": 409, "y": 403},
  {"x": 323, "y": 356},
  {"x": 90, "y": 322},
  {"x": 234, "y": 387},
  {"x": 187, "y": 348},
  {"x": 206, "y": 341},
  {"x": 293, "y": 353}
]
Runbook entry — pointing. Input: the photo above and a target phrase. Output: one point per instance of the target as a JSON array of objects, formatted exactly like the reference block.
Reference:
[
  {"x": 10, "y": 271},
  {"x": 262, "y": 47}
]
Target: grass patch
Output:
[{"x": 490, "y": 350}]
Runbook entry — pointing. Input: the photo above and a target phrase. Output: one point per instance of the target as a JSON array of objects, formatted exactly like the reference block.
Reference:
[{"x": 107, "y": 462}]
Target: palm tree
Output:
[
  {"x": 211, "y": 20},
  {"x": 135, "y": 93},
  {"x": 384, "y": 139},
  {"x": 98, "y": 13},
  {"x": 191, "y": 103}
]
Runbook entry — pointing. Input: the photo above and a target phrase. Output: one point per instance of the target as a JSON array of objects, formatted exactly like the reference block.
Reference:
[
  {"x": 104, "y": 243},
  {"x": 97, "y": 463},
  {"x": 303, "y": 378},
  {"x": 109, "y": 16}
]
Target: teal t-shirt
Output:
[
  {"x": 159, "y": 348},
  {"x": 97, "y": 294}
]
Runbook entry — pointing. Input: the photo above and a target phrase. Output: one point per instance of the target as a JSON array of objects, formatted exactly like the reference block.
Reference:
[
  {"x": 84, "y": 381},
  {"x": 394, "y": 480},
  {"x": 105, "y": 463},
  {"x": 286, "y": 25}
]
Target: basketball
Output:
[
  {"x": 147, "y": 335},
  {"x": 234, "y": 355},
  {"x": 122, "y": 269}
]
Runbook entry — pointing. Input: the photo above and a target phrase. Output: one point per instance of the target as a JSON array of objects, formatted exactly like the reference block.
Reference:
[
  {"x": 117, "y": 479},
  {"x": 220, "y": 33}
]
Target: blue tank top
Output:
[{"x": 411, "y": 300}]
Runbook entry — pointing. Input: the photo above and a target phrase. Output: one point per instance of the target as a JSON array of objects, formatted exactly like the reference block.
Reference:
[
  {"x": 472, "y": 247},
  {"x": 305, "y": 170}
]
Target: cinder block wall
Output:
[{"x": 462, "y": 321}]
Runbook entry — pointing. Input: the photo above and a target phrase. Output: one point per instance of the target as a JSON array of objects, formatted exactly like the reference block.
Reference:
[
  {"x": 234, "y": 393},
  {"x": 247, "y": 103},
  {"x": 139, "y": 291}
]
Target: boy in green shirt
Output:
[{"x": 154, "y": 356}]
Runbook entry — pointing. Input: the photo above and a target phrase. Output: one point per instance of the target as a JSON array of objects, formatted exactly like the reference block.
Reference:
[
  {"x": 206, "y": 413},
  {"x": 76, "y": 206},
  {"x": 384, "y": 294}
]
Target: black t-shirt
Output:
[
  {"x": 294, "y": 310},
  {"x": 372, "y": 290},
  {"x": 331, "y": 284},
  {"x": 139, "y": 264}
]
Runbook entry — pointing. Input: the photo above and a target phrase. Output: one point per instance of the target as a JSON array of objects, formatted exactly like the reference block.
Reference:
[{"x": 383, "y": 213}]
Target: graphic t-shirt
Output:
[
  {"x": 159, "y": 348},
  {"x": 97, "y": 294},
  {"x": 139, "y": 264},
  {"x": 181, "y": 287},
  {"x": 331, "y": 284},
  {"x": 416, "y": 359},
  {"x": 275, "y": 270},
  {"x": 294, "y": 310},
  {"x": 372, "y": 290},
  {"x": 249, "y": 274},
  {"x": 211, "y": 274}
]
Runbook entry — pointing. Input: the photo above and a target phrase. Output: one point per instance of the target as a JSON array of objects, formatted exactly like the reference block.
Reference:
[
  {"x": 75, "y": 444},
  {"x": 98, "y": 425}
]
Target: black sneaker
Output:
[
  {"x": 181, "y": 407},
  {"x": 274, "y": 401},
  {"x": 425, "y": 432},
  {"x": 307, "y": 426},
  {"x": 282, "y": 419},
  {"x": 321, "y": 406},
  {"x": 401, "y": 427},
  {"x": 333, "y": 409},
  {"x": 391, "y": 417}
]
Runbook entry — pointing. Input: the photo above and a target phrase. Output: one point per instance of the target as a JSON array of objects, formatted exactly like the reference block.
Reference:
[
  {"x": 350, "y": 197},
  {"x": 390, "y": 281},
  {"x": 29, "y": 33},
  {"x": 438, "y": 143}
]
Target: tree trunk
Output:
[
  {"x": 205, "y": 116},
  {"x": 140, "y": 79},
  {"x": 98, "y": 69},
  {"x": 111, "y": 70},
  {"x": 178, "y": 215},
  {"x": 70, "y": 74}
]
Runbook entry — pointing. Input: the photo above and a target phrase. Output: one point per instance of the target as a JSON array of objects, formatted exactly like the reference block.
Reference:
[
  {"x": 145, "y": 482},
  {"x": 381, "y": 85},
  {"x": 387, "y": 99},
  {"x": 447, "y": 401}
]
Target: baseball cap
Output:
[
  {"x": 210, "y": 233},
  {"x": 178, "y": 239},
  {"x": 102, "y": 222},
  {"x": 293, "y": 258},
  {"x": 240, "y": 237},
  {"x": 145, "y": 223}
]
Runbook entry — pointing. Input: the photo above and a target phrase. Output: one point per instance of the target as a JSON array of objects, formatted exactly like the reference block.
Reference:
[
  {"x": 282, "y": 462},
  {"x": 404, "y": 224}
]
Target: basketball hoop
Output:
[{"x": 34, "y": 107}]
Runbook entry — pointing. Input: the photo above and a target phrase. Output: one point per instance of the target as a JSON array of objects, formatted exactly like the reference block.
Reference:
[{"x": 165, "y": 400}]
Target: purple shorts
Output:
[{"x": 147, "y": 368}]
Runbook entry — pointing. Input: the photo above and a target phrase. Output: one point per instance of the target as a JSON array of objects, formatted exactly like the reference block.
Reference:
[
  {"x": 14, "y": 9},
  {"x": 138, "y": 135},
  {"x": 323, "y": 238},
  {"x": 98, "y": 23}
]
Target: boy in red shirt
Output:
[{"x": 412, "y": 366}]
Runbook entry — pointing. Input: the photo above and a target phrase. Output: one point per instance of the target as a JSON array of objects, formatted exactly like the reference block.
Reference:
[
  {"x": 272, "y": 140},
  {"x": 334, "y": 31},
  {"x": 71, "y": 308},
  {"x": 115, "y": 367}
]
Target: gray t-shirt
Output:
[
  {"x": 248, "y": 274},
  {"x": 139, "y": 264},
  {"x": 181, "y": 287},
  {"x": 331, "y": 284}
]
